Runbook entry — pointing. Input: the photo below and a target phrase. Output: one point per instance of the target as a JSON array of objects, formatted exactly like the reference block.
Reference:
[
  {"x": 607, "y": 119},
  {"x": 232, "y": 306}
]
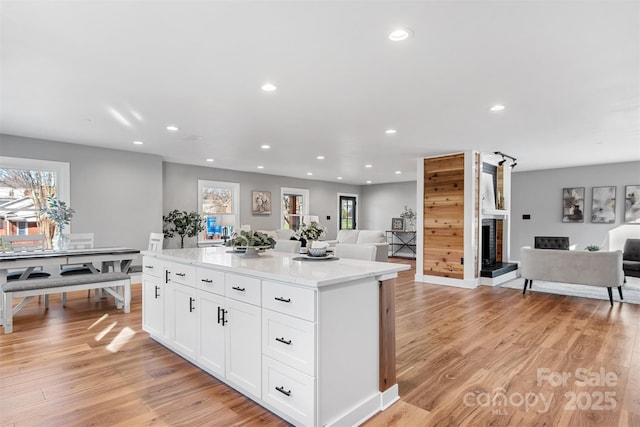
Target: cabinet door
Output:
[
  {"x": 186, "y": 320},
  {"x": 152, "y": 306},
  {"x": 243, "y": 346},
  {"x": 211, "y": 332}
]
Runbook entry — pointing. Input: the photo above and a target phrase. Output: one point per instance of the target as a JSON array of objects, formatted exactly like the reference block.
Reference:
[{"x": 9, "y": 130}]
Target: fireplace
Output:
[{"x": 489, "y": 241}]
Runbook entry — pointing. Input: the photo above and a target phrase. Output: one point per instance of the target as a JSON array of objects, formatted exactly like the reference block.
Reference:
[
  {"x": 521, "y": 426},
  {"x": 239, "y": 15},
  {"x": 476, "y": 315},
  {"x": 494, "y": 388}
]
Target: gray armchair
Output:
[{"x": 631, "y": 258}]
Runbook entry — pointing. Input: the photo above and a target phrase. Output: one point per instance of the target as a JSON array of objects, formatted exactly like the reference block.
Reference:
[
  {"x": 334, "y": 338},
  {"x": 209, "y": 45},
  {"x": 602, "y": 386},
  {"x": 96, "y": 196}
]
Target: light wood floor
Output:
[{"x": 460, "y": 354}]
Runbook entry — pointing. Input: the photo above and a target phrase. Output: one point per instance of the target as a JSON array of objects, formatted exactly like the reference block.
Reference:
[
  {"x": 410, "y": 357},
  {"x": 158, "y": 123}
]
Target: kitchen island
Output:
[{"x": 312, "y": 341}]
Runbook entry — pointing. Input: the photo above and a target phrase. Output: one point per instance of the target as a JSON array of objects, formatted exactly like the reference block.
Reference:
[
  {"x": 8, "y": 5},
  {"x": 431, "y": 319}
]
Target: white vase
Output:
[{"x": 60, "y": 242}]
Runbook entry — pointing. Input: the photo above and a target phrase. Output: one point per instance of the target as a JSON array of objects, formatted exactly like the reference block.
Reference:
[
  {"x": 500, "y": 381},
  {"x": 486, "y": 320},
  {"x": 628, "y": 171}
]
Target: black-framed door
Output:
[{"x": 347, "y": 213}]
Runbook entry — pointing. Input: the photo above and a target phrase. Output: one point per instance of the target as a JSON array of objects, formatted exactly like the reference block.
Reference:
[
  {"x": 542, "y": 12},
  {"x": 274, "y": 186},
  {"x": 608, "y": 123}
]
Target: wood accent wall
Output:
[
  {"x": 499, "y": 223},
  {"x": 444, "y": 216}
]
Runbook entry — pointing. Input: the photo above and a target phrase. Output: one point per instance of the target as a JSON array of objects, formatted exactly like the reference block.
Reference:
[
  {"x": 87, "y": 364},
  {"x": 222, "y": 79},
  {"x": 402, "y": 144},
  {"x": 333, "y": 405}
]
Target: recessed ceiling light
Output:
[
  {"x": 320, "y": 157},
  {"x": 368, "y": 166},
  {"x": 399, "y": 34},
  {"x": 398, "y": 172},
  {"x": 368, "y": 182},
  {"x": 339, "y": 177},
  {"x": 390, "y": 131},
  {"x": 260, "y": 167},
  {"x": 173, "y": 128},
  {"x": 269, "y": 87},
  {"x": 309, "y": 173},
  {"x": 497, "y": 107},
  {"x": 138, "y": 142},
  {"x": 209, "y": 160},
  {"x": 265, "y": 146}
]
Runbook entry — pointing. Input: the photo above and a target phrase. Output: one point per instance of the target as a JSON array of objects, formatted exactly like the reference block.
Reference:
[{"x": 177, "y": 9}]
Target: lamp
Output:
[{"x": 226, "y": 221}]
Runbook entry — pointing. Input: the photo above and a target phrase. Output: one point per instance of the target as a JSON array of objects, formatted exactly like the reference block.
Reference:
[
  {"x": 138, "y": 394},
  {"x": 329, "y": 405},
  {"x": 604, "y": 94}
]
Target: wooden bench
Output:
[{"x": 27, "y": 289}]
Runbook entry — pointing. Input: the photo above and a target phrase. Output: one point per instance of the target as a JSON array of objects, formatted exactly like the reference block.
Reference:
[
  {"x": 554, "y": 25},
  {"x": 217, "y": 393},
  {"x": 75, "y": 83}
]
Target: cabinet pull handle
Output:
[
  {"x": 283, "y": 341},
  {"x": 149, "y": 266},
  {"x": 224, "y": 317},
  {"x": 219, "y": 314},
  {"x": 191, "y": 307},
  {"x": 283, "y": 391},
  {"x": 206, "y": 280},
  {"x": 238, "y": 288},
  {"x": 166, "y": 276},
  {"x": 282, "y": 299},
  {"x": 156, "y": 292},
  {"x": 180, "y": 274}
]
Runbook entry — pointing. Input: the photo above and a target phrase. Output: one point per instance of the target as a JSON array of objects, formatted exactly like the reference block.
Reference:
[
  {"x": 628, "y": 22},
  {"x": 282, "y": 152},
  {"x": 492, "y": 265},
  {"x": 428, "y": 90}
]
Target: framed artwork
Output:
[
  {"x": 603, "y": 205},
  {"x": 397, "y": 224},
  {"x": 632, "y": 204},
  {"x": 261, "y": 202},
  {"x": 573, "y": 204}
]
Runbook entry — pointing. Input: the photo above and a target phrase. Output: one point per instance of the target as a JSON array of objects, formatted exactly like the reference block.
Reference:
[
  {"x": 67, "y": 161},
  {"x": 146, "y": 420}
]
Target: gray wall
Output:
[
  {"x": 180, "y": 183},
  {"x": 116, "y": 194},
  {"x": 539, "y": 193},
  {"x": 381, "y": 202}
]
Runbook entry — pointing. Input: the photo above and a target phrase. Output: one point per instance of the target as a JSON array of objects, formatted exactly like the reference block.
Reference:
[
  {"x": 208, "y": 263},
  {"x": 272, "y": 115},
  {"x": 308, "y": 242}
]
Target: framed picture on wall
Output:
[
  {"x": 397, "y": 224},
  {"x": 573, "y": 204},
  {"x": 603, "y": 205},
  {"x": 632, "y": 204},
  {"x": 261, "y": 202}
]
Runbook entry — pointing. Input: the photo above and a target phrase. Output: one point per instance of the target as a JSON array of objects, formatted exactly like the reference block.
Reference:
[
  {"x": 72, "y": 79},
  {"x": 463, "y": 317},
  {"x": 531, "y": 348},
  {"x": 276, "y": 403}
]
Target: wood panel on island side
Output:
[{"x": 485, "y": 356}]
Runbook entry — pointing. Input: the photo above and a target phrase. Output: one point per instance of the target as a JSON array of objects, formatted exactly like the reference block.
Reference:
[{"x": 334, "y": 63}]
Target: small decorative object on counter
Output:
[
  {"x": 593, "y": 248},
  {"x": 309, "y": 233}
]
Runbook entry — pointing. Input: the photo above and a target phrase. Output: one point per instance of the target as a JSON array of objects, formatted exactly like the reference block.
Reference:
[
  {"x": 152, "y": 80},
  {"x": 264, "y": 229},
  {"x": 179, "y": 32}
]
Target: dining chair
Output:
[
  {"x": 288, "y": 246},
  {"x": 155, "y": 245},
  {"x": 79, "y": 241},
  {"x": 355, "y": 251},
  {"x": 24, "y": 243}
]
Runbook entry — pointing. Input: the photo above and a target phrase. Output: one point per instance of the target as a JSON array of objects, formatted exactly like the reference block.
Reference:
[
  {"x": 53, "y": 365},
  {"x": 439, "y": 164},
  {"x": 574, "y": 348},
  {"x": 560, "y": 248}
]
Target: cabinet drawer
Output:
[
  {"x": 242, "y": 288},
  {"x": 289, "y": 340},
  {"x": 210, "y": 281},
  {"x": 183, "y": 274},
  {"x": 151, "y": 266},
  {"x": 289, "y": 391},
  {"x": 289, "y": 299}
]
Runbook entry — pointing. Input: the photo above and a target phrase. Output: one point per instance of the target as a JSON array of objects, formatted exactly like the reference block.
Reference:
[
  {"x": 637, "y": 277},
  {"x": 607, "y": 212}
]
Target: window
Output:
[
  {"x": 347, "y": 205},
  {"x": 24, "y": 186},
  {"x": 219, "y": 204},
  {"x": 295, "y": 204}
]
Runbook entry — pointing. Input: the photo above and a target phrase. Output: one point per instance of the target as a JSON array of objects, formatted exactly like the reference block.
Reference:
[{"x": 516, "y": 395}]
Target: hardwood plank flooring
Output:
[{"x": 464, "y": 358}]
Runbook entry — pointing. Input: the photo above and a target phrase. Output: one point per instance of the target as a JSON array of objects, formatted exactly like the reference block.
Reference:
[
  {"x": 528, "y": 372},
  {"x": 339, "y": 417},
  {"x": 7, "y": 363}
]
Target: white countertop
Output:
[{"x": 278, "y": 266}]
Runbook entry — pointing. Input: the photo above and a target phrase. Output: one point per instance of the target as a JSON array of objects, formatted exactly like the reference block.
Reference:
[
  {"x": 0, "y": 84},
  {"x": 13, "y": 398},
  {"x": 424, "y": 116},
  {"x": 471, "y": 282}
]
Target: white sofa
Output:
[
  {"x": 375, "y": 238},
  {"x": 579, "y": 267},
  {"x": 281, "y": 234}
]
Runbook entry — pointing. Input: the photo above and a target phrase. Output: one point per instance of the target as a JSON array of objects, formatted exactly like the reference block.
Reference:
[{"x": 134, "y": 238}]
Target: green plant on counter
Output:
[
  {"x": 593, "y": 248},
  {"x": 182, "y": 223},
  {"x": 251, "y": 238}
]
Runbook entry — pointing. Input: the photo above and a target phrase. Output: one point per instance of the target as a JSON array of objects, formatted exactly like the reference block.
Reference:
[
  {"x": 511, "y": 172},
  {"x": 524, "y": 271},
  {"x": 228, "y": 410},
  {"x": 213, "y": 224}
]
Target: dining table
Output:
[{"x": 108, "y": 258}]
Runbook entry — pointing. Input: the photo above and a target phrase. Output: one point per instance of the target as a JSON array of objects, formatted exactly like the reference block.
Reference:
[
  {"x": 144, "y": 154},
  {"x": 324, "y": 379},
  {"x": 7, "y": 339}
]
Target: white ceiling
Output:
[{"x": 108, "y": 73}]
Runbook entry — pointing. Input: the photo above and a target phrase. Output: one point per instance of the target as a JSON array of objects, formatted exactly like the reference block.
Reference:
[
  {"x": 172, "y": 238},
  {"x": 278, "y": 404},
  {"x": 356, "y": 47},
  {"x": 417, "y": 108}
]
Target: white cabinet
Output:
[
  {"x": 243, "y": 349},
  {"x": 211, "y": 332},
  {"x": 153, "y": 305},
  {"x": 185, "y": 311}
]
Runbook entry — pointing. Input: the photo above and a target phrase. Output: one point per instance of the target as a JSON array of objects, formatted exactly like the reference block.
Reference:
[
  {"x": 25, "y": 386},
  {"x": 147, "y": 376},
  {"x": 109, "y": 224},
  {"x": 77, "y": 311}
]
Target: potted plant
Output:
[
  {"x": 593, "y": 248},
  {"x": 409, "y": 217},
  {"x": 58, "y": 212},
  {"x": 250, "y": 241},
  {"x": 182, "y": 223},
  {"x": 311, "y": 232}
]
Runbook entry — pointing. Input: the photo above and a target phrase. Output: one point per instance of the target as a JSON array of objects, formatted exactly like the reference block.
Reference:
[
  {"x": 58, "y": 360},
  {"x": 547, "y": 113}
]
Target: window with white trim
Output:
[
  {"x": 294, "y": 205},
  {"x": 24, "y": 186},
  {"x": 215, "y": 199}
]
